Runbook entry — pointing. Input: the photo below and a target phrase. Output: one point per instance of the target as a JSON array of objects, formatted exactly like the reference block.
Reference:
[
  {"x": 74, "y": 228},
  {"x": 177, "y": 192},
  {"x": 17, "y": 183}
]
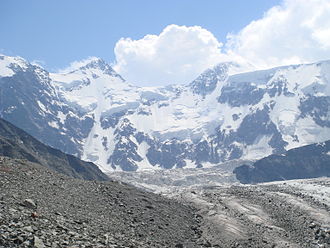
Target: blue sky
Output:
[{"x": 57, "y": 33}]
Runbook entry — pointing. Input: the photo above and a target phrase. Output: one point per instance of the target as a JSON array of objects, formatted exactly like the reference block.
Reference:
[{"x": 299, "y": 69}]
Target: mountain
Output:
[
  {"x": 304, "y": 162},
  {"x": 15, "y": 143},
  {"x": 93, "y": 113}
]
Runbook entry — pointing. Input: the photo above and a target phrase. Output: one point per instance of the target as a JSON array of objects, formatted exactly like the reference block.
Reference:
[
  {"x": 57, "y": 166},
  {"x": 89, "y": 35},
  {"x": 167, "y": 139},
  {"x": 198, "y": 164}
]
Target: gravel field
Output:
[
  {"x": 41, "y": 208},
  {"x": 282, "y": 214}
]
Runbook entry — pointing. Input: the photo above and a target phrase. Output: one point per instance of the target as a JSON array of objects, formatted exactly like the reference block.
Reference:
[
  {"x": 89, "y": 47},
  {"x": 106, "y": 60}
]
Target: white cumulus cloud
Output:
[
  {"x": 297, "y": 31},
  {"x": 176, "y": 55}
]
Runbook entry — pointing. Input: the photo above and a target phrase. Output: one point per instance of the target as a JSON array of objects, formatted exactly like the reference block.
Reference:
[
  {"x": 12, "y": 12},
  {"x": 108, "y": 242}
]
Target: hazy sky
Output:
[{"x": 159, "y": 42}]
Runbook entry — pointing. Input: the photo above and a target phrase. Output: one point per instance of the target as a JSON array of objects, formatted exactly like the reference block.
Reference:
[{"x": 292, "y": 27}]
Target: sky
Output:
[{"x": 163, "y": 42}]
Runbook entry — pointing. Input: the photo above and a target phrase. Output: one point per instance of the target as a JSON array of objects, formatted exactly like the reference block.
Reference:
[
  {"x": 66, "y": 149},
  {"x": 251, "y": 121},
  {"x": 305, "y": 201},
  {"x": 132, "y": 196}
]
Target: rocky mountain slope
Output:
[
  {"x": 303, "y": 162},
  {"x": 41, "y": 208},
  {"x": 16, "y": 143},
  {"x": 93, "y": 113}
]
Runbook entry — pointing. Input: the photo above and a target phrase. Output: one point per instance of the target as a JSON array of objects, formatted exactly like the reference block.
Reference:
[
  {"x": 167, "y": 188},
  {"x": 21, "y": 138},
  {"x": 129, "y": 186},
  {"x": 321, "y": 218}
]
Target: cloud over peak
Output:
[
  {"x": 173, "y": 56},
  {"x": 296, "y": 31}
]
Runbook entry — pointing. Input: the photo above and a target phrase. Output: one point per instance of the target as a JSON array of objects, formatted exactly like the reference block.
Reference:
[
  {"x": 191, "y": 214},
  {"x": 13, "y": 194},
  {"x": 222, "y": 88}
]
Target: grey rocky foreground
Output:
[{"x": 40, "y": 208}]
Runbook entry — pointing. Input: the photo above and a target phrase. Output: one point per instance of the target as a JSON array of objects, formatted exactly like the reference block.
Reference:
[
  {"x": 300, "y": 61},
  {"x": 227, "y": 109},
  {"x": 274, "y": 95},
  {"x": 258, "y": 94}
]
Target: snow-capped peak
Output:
[
  {"x": 8, "y": 65},
  {"x": 95, "y": 63},
  {"x": 206, "y": 82},
  {"x": 84, "y": 72},
  {"x": 91, "y": 65}
]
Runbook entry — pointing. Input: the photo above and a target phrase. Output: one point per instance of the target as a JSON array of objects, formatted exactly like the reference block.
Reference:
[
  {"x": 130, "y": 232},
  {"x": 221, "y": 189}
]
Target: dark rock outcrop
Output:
[
  {"x": 16, "y": 143},
  {"x": 304, "y": 162}
]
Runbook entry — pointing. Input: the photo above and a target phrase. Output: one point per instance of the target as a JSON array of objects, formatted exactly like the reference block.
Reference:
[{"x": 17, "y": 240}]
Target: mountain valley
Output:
[{"x": 166, "y": 164}]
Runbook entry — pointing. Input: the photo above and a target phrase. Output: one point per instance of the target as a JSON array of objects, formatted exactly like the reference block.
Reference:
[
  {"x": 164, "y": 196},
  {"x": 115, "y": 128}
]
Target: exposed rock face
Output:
[
  {"x": 30, "y": 101},
  {"x": 303, "y": 162},
  {"x": 318, "y": 107},
  {"x": 207, "y": 82},
  {"x": 16, "y": 143},
  {"x": 93, "y": 113}
]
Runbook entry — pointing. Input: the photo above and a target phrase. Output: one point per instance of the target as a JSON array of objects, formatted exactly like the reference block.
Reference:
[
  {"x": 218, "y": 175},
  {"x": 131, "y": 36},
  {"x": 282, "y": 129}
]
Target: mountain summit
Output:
[{"x": 90, "y": 65}]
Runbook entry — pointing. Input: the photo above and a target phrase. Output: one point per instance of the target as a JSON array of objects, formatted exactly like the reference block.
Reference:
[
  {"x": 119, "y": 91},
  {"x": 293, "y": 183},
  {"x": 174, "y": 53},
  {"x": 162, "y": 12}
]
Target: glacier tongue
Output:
[{"x": 92, "y": 112}]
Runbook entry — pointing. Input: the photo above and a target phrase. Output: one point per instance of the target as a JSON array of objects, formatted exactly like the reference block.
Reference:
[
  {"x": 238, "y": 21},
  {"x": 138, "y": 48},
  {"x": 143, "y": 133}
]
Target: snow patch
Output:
[
  {"x": 5, "y": 71},
  {"x": 6, "y": 62},
  {"x": 53, "y": 124},
  {"x": 309, "y": 132},
  {"x": 42, "y": 106},
  {"x": 260, "y": 149},
  {"x": 189, "y": 164},
  {"x": 142, "y": 151},
  {"x": 61, "y": 116}
]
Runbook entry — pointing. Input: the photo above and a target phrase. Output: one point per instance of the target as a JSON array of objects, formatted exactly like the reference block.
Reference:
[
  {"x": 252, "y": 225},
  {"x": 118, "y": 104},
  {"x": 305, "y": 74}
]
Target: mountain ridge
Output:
[
  {"x": 218, "y": 117},
  {"x": 15, "y": 143}
]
